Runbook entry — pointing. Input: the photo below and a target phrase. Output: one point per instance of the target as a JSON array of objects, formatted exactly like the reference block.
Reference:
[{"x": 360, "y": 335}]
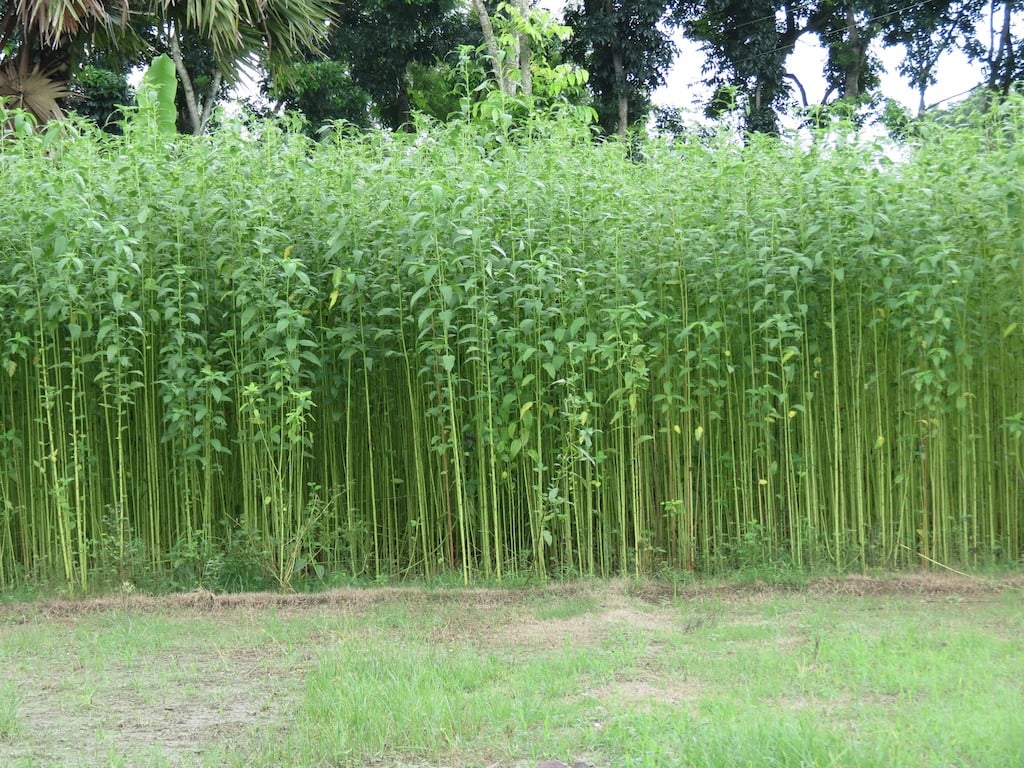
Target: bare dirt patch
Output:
[
  {"x": 174, "y": 715},
  {"x": 534, "y": 623},
  {"x": 934, "y": 584},
  {"x": 925, "y": 584},
  {"x": 641, "y": 693}
]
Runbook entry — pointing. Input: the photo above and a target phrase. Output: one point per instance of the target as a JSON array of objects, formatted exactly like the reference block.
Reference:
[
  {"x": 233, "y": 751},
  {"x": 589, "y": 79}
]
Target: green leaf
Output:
[{"x": 156, "y": 95}]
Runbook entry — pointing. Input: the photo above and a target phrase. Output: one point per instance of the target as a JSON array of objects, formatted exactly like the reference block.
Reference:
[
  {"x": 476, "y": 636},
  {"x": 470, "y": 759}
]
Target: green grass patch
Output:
[
  {"x": 9, "y": 724},
  {"x": 719, "y": 677}
]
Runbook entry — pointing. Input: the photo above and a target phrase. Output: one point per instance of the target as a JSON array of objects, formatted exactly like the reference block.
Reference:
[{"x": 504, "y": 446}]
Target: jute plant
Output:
[{"x": 503, "y": 353}]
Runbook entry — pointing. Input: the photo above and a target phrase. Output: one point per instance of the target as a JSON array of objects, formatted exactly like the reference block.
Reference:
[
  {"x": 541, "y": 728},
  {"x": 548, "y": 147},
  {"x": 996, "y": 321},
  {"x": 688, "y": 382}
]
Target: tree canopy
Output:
[{"x": 364, "y": 75}]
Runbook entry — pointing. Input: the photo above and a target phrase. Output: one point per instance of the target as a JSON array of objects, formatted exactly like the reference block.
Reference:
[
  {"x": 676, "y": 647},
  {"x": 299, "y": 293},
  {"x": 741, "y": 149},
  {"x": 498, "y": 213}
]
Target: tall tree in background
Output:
[
  {"x": 381, "y": 39},
  {"x": 1003, "y": 56},
  {"x": 926, "y": 31},
  {"x": 747, "y": 44},
  {"x": 98, "y": 94},
  {"x": 39, "y": 41},
  {"x": 625, "y": 47},
  {"x": 511, "y": 66},
  {"x": 371, "y": 48},
  {"x": 520, "y": 70},
  {"x": 846, "y": 29},
  {"x": 322, "y": 90}
]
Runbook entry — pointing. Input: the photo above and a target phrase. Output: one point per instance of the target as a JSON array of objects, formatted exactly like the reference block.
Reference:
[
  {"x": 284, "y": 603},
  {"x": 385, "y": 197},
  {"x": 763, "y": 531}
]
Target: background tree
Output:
[
  {"x": 504, "y": 61},
  {"x": 381, "y": 39},
  {"x": 322, "y": 90},
  {"x": 98, "y": 94},
  {"x": 43, "y": 41},
  {"x": 39, "y": 41},
  {"x": 747, "y": 44},
  {"x": 625, "y": 47},
  {"x": 520, "y": 71},
  {"x": 370, "y": 50},
  {"x": 926, "y": 31},
  {"x": 847, "y": 30},
  {"x": 1003, "y": 53}
]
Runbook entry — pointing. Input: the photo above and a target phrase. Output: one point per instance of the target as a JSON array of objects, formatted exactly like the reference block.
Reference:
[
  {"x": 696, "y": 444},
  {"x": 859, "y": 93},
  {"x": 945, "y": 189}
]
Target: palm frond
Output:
[
  {"x": 36, "y": 92},
  {"x": 272, "y": 29},
  {"x": 54, "y": 20}
]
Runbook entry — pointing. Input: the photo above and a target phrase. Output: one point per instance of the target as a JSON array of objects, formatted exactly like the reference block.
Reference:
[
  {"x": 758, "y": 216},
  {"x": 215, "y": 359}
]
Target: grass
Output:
[
  {"x": 921, "y": 674},
  {"x": 8, "y": 711}
]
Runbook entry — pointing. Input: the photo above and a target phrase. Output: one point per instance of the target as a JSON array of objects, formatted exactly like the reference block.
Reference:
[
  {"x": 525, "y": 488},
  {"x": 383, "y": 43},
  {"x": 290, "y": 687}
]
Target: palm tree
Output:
[{"x": 40, "y": 40}]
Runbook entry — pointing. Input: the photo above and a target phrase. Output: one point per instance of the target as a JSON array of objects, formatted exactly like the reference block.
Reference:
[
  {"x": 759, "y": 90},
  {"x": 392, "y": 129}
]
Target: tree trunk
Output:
[
  {"x": 8, "y": 26},
  {"x": 210, "y": 99},
  {"x": 504, "y": 82},
  {"x": 1001, "y": 64},
  {"x": 199, "y": 111},
  {"x": 851, "y": 88},
  {"x": 194, "y": 114},
  {"x": 525, "y": 53},
  {"x": 621, "y": 94},
  {"x": 799, "y": 87},
  {"x": 404, "y": 107}
]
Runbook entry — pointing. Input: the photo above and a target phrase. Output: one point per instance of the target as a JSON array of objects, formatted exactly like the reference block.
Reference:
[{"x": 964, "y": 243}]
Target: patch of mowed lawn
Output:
[{"x": 613, "y": 675}]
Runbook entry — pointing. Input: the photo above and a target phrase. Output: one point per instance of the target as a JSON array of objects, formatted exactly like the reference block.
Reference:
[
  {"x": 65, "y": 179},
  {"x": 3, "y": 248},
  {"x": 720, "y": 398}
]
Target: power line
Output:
[{"x": 950, "y": 98}]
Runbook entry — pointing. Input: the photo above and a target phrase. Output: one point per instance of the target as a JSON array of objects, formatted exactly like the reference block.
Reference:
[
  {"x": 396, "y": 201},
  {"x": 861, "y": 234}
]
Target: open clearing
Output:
[{"x": 914, "y": 670}]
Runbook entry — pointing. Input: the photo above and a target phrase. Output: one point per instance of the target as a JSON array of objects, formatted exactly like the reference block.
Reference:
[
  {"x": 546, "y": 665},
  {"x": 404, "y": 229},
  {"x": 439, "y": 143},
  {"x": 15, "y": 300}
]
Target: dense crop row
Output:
[{"x": 393, "y": 354}]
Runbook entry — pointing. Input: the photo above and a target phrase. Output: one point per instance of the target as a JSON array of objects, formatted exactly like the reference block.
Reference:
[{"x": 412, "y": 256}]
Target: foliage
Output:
[
  {"x": 323, "y": 92},
  {"x": 382, "y": 39},
  {"x": 627, "y": 51},
  {"x": 556, "y": 88},
  {"x": 928, "y": 30},
  {"x": 99, "y": 96},
  {"x": 746, "y": 52},
  {"x": 1003, "y": 53},
  {"x": 747, "y": 45},
  {"x": 512, "y": 351},
  {"x": 434, "y": 90},
  {"x": 371, "y": 51},
  {"x": 33, "y": 91}
]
